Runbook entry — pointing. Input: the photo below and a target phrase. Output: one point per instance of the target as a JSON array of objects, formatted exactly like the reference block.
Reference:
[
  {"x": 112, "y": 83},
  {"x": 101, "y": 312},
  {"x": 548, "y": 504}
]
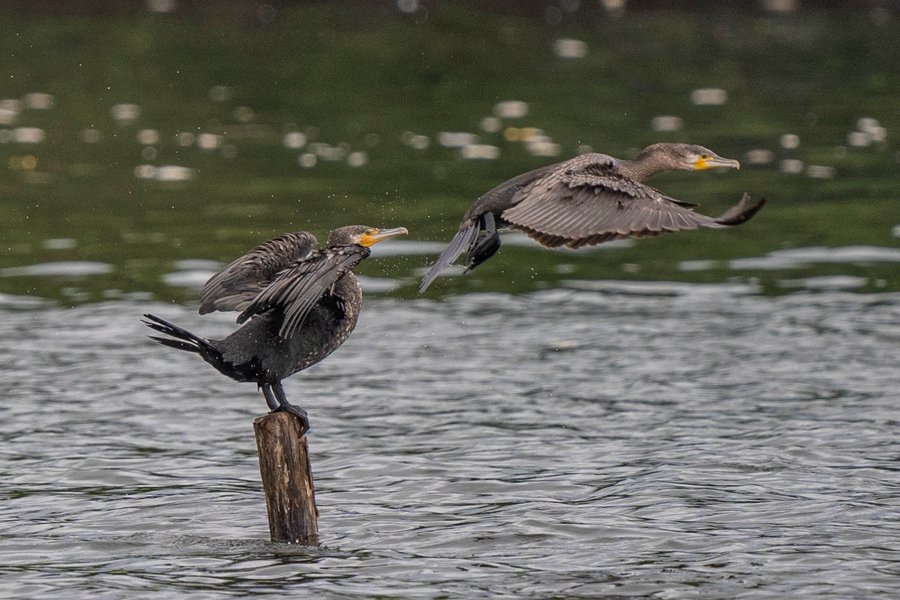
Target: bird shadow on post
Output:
[{"x": 287, "y": 479}]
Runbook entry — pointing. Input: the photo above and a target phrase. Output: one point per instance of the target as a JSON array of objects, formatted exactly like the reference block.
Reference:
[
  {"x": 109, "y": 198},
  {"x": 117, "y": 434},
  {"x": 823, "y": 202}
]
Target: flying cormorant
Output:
[
  {"x": 301, "y": 304},
  {"x": 590, "y": 199}
]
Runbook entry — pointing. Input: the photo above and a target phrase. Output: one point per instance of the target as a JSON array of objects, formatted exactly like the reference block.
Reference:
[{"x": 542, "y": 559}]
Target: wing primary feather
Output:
[
  {"x": 462, "y": 241},
  {"x": 669, "y": 221},
  {"x": 236, "y": 285}
]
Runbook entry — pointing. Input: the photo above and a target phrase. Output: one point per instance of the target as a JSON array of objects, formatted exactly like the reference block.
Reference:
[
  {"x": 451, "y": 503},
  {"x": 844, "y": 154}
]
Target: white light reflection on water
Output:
[
  {"x": 568, "y": 443},
  {"x": 71, "y": 268},
  {"x": 796, "y": 257}
]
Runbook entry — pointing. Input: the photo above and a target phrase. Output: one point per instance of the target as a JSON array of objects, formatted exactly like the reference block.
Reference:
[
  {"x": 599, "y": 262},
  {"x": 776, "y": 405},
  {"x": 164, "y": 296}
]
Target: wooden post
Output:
[{"x": 287, "y": 479}]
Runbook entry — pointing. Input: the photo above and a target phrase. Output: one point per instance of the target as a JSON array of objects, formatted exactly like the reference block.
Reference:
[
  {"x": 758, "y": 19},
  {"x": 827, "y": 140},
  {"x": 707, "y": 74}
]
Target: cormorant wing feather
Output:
[
  {"x": 493, "y": 201},
  {"x": 297, "y": 289},
  {"x": 235, "y": 286},
  {"x": 587, "y": 202},
  {"x": 462, "y": 241},
  {"x": 502, "y": 197}
]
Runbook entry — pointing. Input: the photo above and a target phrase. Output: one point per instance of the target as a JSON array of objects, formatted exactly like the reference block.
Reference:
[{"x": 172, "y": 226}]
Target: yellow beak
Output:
[
  {"x": 716, "y": 162},
  {"x": 376, "y": 235}
]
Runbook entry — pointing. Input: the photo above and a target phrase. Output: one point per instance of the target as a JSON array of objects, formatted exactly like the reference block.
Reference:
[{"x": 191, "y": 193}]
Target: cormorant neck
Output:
[{"x": 644, "y": 166}]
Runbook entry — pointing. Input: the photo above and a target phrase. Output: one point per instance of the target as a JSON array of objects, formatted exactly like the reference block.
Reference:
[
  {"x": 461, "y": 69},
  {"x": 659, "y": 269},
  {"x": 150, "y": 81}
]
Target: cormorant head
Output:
[
  {"x": 361, "y": 235},
  {"x": 686, "y": 157}
]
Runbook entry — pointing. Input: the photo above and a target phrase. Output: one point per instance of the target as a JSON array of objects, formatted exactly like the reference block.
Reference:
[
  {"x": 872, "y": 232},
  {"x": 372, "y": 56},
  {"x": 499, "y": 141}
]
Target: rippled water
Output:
[{"x": 666, "y": 441}]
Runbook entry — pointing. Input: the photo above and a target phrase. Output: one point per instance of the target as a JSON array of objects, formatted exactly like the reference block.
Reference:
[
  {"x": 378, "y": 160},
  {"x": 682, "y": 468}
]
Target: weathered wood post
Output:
[{"x": 287, "y": 479}]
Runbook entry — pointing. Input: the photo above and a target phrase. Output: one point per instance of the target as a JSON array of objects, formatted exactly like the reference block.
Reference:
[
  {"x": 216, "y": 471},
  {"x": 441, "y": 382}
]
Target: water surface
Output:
[{"x": 695, "y": 440}]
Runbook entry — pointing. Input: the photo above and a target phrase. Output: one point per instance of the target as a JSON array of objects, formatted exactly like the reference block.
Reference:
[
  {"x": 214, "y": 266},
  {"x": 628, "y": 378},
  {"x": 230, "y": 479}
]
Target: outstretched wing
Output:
[
  {"x": 235, "y": 286},
  {"x": 586, "y": 202},
  {"x": 297, "y": 289}
]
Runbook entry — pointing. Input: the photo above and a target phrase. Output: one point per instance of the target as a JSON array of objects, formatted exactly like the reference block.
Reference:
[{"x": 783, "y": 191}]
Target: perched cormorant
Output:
[
  {"x": 590, "y": 199},
  {"x": 301, "y": 304}
]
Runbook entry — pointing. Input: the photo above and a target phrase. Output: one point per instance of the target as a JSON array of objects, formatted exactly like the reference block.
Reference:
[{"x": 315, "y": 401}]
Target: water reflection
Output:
[
  {"x": 797, "y": 257},
  {"x": 825, "y": 283},
  {"x": 192, "y": 278},
  {"x": 59, "y": 269},
  {"x": 665, "y": 288}
]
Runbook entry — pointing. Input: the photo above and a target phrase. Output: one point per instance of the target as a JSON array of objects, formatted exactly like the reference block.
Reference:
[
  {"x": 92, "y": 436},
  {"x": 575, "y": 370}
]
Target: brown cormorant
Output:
[
  {"x": 301, "y": 304},
  {"x": 590, "y": 199}
]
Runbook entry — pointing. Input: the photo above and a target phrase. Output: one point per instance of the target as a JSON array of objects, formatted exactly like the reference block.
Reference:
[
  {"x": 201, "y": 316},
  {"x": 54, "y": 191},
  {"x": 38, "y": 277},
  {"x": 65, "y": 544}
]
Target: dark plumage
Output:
[
  {"x": 590, "y": 199},
  {"x": 301, "y": 304}
]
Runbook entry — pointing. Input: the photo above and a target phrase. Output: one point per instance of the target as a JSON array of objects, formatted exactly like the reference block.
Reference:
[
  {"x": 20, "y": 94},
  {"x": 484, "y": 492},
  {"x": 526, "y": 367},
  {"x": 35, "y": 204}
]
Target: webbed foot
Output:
[
  {"x": 286, "y": 406},
  {"x": 486, "y": 244}
]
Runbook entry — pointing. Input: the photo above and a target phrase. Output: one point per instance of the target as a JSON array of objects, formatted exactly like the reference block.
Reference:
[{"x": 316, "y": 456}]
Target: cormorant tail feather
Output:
[{"x": 184, "y": 339}]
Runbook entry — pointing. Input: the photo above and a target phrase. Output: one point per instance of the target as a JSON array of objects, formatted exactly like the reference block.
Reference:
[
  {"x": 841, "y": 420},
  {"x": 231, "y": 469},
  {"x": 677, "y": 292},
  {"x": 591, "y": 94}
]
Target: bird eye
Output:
[{"x": 704, "y": 156}]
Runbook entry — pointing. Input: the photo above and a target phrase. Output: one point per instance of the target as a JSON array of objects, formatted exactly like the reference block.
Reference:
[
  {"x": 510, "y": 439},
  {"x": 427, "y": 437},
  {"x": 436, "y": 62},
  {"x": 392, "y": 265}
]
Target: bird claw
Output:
[{"x": 297, "y": 412}]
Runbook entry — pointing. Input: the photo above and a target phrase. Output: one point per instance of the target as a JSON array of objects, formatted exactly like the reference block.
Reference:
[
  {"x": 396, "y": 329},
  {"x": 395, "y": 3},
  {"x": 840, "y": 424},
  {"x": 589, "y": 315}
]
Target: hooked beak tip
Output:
[{"x": 382, "y": 234}]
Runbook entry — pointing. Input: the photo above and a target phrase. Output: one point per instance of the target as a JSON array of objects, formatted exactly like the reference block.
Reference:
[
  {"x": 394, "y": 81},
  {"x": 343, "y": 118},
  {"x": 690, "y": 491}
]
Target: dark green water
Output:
[{"x": 364, "y": 80}]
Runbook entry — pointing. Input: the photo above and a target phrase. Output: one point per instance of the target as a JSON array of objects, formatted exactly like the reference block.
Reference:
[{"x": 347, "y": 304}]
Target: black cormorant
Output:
[
  {"x": 590, "y": 199},
  {"x": 301, "y": 304}
]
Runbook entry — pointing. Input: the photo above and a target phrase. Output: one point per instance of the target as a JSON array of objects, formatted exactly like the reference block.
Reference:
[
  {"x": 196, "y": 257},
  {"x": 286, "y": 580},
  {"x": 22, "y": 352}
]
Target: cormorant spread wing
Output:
[
  {"x": 297, "y": 289},
  {"x": 589, "y": 202},
  {"x": 235, "y": 286}
]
